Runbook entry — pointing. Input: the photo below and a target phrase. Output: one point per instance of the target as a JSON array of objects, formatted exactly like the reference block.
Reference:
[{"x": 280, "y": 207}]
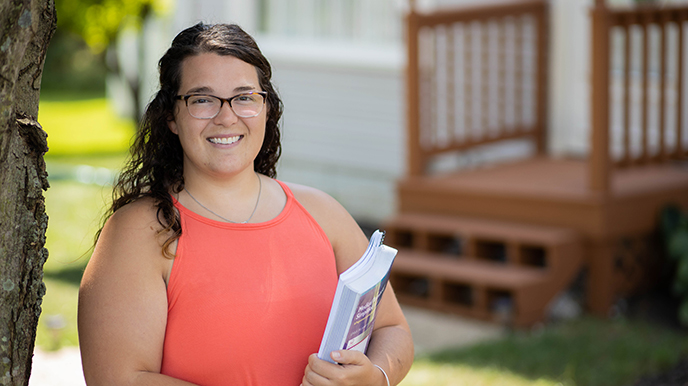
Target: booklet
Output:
[{"x": 358, "y": 294}]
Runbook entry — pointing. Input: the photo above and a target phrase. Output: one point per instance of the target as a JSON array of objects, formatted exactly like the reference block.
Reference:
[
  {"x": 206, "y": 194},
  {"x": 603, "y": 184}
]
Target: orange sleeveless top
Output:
[{"x": 248, "y": 303}]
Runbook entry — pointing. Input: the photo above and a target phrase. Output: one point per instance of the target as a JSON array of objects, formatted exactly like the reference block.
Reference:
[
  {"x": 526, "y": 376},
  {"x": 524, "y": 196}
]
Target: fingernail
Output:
[{"x": 336, "y": 355}]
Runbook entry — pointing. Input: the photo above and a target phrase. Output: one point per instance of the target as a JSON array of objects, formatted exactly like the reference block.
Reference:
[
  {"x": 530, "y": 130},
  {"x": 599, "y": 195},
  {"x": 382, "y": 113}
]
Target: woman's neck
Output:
[{"x": 233, "y": 198}]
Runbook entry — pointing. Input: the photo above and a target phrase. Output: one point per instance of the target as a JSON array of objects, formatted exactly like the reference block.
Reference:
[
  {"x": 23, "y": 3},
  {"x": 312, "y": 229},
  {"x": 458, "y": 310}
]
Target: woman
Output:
[{"x": 208, "y": 270}]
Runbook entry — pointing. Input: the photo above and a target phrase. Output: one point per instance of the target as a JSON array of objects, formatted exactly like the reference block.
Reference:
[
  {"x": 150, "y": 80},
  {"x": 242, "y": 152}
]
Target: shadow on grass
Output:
[
  {"x": 584, "y": 352},
  {"x": 70, "y": 275}
]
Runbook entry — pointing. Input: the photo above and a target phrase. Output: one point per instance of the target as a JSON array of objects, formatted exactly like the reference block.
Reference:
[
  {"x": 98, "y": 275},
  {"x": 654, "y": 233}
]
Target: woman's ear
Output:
[{"x": 172, "y": 125}]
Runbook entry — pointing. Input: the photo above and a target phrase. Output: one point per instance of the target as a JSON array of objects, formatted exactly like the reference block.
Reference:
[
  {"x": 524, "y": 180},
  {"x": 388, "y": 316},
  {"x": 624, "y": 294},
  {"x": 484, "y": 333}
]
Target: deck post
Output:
[
  {"x": 416, "y": 164},
  {"x": 601, "y": 286},
  {"x": 600, "y": 164}
]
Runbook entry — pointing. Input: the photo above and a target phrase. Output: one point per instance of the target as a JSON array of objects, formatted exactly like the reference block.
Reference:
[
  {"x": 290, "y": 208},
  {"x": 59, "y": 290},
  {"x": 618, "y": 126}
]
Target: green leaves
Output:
[
  {"x": 683, "y": 312},
  {"x": 99, "y": 22},
  {"x": 677, "y": 245},
  {"x": 674, "y": 226},
  {"x": 681, "y": 278}
]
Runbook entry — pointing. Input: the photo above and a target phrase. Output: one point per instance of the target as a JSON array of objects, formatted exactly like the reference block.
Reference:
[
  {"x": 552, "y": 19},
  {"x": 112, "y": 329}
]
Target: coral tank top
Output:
[{"x": 248, "y": 303}]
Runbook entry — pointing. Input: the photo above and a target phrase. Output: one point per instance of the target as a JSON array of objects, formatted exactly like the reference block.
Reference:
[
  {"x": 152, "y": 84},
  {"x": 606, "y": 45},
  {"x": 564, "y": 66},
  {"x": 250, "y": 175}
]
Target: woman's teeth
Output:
[{"x": 225, "y": 140}]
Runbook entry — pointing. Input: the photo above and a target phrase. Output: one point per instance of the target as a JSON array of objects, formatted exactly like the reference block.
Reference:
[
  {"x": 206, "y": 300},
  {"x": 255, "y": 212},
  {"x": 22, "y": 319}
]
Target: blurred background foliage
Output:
[
  {"x": 86, "y": 29},
  {"x": 99, "y": 22}
]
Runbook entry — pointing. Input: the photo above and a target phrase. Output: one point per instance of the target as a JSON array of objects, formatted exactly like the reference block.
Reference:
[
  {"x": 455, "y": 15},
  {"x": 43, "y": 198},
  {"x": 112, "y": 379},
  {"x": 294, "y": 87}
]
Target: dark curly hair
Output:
[{"x": 155, "y": 168}]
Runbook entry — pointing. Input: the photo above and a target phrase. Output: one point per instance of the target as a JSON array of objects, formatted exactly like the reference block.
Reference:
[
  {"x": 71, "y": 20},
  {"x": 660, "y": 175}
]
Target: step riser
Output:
[{"x": 510, "y": 251}]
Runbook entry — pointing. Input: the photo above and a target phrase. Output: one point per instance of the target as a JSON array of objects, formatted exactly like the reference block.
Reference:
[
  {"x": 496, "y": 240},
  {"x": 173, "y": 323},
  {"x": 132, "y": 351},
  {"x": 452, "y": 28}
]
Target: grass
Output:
[
  {"x": 83, "y": 126},
  {"x": 585, "y": 352},
  {"x": 427, "y": 373}
]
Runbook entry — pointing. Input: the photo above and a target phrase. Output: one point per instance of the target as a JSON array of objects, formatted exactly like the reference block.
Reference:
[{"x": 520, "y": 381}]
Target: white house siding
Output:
[{"x": 343, "y": 128}]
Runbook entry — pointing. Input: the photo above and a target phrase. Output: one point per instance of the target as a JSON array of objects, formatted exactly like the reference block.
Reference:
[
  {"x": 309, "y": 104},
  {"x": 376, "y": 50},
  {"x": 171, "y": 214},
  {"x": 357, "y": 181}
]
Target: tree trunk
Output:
[{"x": 27, "y": 26}]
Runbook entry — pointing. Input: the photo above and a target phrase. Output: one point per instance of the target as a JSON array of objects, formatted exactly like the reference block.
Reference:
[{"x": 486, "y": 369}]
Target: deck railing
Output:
[
  {"x": 475, "y": 76},
  {"x": 638, "y": 88}
]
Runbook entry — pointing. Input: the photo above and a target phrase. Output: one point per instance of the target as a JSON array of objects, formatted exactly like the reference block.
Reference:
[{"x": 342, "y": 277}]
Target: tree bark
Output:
[{"x": 26, "y": 27}]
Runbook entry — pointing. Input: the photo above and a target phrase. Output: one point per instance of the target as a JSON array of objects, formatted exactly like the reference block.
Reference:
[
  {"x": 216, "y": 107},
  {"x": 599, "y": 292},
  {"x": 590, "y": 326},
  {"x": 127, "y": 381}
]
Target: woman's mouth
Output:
[{"x": 225, "y": 140}]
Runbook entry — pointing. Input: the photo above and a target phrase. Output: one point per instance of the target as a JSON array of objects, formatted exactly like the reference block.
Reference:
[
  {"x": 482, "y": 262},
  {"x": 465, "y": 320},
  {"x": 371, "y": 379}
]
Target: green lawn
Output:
[
  {"x": 585, "y": 352},
  {"x": 87, "y": 126}
]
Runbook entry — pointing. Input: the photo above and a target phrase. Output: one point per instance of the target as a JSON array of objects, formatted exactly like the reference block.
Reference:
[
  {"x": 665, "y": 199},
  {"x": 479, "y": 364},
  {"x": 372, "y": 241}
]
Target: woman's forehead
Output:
[{"x": 210, "y": 72}]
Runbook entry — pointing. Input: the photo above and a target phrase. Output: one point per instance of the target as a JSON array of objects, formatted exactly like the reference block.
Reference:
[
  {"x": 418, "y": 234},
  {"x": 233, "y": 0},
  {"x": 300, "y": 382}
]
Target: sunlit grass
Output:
[
  {"x": 57, "y": 324},
  {"x": 427, "y": 373},
  {"x": 75, "y": 212},
  {"x": 88, "y": 126},
  {"x": 584, "y": 352}
]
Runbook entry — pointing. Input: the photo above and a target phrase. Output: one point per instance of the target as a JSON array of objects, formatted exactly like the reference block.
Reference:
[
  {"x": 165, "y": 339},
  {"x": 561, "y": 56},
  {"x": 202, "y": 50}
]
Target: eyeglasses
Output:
[{"x": 244, "y": 105}]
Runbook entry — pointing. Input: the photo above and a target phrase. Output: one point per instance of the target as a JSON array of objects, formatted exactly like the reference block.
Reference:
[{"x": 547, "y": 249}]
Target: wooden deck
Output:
[{"x": 550, "y": 192}]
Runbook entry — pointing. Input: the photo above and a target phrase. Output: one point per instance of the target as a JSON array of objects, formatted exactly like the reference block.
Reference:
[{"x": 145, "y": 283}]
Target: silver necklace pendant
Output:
[{"x": 260, "y": 188}]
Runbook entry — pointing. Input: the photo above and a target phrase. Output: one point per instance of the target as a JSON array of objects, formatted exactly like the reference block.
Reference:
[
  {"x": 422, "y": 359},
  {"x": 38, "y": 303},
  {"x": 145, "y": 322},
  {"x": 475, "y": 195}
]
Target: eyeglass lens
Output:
[{"x": 243, "y": 105}]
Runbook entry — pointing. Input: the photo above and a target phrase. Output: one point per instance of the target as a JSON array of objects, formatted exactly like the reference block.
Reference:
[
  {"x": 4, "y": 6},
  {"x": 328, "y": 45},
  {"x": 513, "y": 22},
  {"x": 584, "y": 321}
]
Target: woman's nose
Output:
[{"x": 226, "y": 114}]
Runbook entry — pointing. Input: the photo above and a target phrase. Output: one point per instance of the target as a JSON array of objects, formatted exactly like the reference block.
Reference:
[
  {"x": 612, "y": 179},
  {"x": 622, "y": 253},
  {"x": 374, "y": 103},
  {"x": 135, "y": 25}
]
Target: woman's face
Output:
[{"x": 225, "y": 145}]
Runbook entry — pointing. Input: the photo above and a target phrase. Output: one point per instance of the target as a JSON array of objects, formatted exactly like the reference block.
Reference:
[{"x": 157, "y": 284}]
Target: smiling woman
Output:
[{"x": 200, "y": 289}]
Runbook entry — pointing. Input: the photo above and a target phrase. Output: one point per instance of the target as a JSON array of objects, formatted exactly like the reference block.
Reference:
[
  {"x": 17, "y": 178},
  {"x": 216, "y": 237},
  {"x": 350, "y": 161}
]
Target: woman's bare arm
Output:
[
  {"x": 391, "y": 345},
  {"x": 123, "y": 302}
]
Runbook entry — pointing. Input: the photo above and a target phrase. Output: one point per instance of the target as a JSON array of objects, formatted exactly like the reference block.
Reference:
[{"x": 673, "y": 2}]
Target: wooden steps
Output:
[{"x": 489, "y": 270}]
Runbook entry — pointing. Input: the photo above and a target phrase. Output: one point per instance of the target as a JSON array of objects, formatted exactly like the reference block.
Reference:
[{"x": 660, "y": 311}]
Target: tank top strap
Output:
[{"x": 287, "y": 191}]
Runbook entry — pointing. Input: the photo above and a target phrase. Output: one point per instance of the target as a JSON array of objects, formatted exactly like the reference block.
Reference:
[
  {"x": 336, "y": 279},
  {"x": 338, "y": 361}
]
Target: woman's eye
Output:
[
  {"x": 245, "y": 98},
  {"x": 200, "y": 101}
]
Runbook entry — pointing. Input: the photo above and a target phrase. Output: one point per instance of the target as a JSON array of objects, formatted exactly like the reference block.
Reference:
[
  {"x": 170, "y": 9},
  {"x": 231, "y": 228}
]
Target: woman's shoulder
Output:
[
  {"x": 325, "y": 209},
  {"x": 131, "y": 233},
  {"x": 135, "y": 223},
  {"x": 143, "y": 210},
  {"x": 315, "y": 200}
]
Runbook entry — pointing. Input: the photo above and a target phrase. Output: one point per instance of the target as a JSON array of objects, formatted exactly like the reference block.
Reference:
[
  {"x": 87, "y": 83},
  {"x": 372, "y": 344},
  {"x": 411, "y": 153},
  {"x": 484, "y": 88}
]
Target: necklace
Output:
[{"x": 260, "y": 188}]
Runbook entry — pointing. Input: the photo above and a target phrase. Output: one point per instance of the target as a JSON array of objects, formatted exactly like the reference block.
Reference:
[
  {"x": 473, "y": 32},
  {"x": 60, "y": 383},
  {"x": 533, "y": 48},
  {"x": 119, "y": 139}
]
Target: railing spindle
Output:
[
  {"x": 663, "y": 21},
  {"x": 644, "y": 154},
  {"x": 680, "y": 152},
  {"x": 501, "y": 75},
  {"x": 518, "y": 74},
  {"x": 626, "y": 124},
  {"x": 434, "y": 110},
  {"x": 485, "y": 79},
  {"x": 451, "y": 81},
  {"x": 468, "y": 80}
]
